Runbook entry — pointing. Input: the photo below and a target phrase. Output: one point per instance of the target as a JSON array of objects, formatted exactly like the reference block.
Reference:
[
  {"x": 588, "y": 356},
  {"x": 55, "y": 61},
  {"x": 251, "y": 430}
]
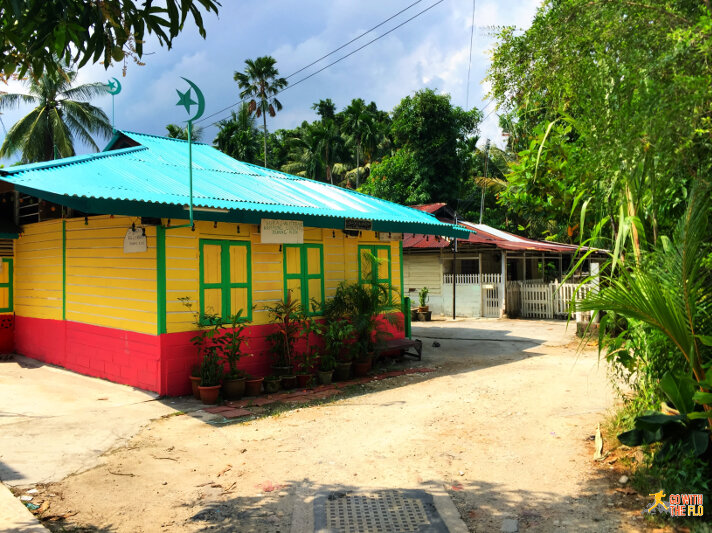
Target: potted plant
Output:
[
  {"x": 338, "y": 347},
  {"x": 207, "y": 342},
  {"x": 287, "y": 317},
  {"x": 211, "y": 371},
  {"x": 230, "y": 344},
  {"x": 272, "y": 384},
  {"x": 327, "y": 363},
  {"x": 366, "y": 303},
  {"x": 195, "y": 381},
  {"x": 253, "y": 385},
  {"x": 424, "y": 313},
  {"x": 312, "y": 331}
]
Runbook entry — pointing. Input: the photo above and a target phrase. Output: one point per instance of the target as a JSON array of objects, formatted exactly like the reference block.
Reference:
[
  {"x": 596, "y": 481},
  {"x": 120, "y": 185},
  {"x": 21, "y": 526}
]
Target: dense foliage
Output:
[
  {"x": 35, "y": 32},
  {"x": 608, "y": 109}
]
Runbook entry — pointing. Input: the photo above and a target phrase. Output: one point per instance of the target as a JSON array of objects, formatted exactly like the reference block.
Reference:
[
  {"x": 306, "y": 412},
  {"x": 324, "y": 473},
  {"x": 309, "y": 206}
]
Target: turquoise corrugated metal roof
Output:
[{"x": 155, "y": 174}]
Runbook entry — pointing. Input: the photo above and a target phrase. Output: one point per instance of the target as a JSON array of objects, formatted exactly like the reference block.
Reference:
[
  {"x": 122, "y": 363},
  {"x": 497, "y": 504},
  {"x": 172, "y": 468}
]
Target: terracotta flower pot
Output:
[
  {"x": 194, "y": 383},
  {"x": 253, "y": 387},
  {"x": 234, "y": 389},
  {"x": 362, "y": 367},
  {"x": 209, "y": 395},
  {"x": 303, "y": 380}
]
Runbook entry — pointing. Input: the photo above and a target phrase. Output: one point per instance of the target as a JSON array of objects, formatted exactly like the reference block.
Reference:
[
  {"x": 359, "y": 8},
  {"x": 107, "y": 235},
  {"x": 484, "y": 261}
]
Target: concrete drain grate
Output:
[{"x": 384, "y": 511}]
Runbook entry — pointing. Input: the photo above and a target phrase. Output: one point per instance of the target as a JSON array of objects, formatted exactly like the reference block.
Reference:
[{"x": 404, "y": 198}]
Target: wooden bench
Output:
[{"x": 403, "y": 347}]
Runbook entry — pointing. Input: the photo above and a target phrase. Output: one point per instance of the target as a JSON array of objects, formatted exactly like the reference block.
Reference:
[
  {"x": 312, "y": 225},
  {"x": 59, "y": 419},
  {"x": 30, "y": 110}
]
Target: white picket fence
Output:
[
  {"x": 543, "y": 300},
  {"x": 471, "y": 279},
  {"x": 526, "y": 299}
]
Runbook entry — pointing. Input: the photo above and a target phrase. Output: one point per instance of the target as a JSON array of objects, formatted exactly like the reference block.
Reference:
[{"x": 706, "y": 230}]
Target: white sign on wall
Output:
[
  {"x": 282, "y": 231},
  {"x": 135, "y": 241}
]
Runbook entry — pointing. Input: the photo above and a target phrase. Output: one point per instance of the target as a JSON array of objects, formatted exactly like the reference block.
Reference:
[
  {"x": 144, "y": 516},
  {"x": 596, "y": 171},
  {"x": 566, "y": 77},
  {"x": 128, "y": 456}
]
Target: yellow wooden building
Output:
[{"x": 98, "y": 274}]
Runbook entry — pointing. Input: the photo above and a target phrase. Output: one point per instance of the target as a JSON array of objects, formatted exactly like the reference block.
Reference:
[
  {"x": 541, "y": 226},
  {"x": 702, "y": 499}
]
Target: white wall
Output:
[
  {"x": 423, "y": 270},
  {"x": 468, "y": 300}
]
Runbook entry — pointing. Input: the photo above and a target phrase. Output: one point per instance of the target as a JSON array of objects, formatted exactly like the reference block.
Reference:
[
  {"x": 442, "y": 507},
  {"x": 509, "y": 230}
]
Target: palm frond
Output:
[{"x": 14, "y": 100}]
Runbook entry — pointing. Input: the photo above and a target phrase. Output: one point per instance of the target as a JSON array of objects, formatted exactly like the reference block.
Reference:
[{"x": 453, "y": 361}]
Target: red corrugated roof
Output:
[
  {"x": 484, "y": 235},
  {"x": 429, "y": 208}
]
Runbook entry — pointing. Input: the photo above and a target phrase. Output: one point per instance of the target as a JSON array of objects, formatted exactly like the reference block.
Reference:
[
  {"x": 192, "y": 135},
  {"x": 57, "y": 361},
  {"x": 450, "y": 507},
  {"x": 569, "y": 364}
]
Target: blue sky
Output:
[{"x": 430, "y": 51}]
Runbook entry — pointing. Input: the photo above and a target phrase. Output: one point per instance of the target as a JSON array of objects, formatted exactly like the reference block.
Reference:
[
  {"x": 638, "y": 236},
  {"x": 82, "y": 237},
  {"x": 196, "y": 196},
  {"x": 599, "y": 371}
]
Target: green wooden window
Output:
[
  {"x": 6, "y": 286},
  {"x": 374, "y": 265},
  {"x": 304, "y": 274},
  {"x": 225, "y": 278}
]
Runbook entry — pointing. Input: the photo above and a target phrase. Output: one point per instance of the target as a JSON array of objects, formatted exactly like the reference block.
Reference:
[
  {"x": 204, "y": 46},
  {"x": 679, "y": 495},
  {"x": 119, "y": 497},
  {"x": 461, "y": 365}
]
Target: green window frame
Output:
[
  {"x": 372, "y": 276},
  {"x": 7, "y": 263},
  {"x": 304, "y": 275},
  {"x": 226, "y": 284}
]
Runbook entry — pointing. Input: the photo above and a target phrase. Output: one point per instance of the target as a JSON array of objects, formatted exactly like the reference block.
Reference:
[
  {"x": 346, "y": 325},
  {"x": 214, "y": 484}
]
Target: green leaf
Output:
[
  {"x": 634, "y": 437},
  {"x": 699, "y": 415},
  {"x": 702, "y": 397},
  {"x": 705, "y": 339},
  {"x": 698, "y": 440},
  {"x": 679, "y": 390}
]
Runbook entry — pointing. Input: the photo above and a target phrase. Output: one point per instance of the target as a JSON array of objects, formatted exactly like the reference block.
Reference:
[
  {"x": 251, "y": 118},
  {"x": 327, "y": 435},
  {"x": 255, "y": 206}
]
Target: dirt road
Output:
[{"x": 503, "y": 425}]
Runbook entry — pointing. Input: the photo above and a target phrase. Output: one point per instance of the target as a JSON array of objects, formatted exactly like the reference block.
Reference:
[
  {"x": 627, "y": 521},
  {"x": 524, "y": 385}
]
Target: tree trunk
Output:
[
  {"x": 358, "y": 170},
  {"x": 264, "y": 126},
  {"x": 329, "y": 178}
]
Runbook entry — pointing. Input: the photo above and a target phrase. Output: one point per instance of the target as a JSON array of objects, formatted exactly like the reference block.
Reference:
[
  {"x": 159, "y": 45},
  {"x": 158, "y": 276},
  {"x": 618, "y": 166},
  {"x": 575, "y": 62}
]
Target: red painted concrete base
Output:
[{"x": 159, "y": 363}]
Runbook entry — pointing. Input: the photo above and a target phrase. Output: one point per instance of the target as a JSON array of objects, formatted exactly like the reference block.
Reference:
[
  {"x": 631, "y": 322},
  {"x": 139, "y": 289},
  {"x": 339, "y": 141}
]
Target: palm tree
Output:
[
  {"x": 304, "y": 157},
  {"x": 359, "y": 125},
  {"x": 62, "y": 115},
  {"x": 669, "y": 289},
  {"x": 237, "y": 136},
  {"x": 260, "y": 83},
  {"x": 180, "y": 132},
  {"x": 326, "y": 109}
]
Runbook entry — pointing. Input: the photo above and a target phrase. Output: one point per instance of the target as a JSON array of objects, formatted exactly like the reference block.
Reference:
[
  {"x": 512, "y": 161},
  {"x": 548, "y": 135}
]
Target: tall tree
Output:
[
  {"x": 326, "y": 109},
  {"x": 431, "y": 138},
  {"x": 62, "y": 115},
  {"x": 360, "y": 127},
  {"x": 34, "y": 32},
  {"x": 260, "y": 83},
  {"x": 237, "y": 136},
  {"x": 607, "y": 101}
]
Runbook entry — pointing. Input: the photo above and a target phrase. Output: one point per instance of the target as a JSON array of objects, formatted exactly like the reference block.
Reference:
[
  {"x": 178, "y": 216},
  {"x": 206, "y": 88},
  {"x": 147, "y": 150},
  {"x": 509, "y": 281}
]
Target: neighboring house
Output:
[
  {"x": 105, "y": 252},
  {"x": 496, "y": 272}
]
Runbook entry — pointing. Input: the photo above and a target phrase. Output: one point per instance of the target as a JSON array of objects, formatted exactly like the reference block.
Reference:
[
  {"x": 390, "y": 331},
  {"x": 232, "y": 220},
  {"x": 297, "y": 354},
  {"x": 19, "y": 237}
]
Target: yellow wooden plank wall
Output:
[
  {"x": 38, "y": 271},
  {"x": 182, "y": 266},
  {"x": 105, "y": 286}
]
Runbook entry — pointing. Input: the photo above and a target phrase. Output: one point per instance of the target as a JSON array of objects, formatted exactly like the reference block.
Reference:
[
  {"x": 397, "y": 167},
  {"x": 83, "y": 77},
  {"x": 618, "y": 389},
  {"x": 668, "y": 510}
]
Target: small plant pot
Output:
[
  {"x": 253, "y": 387},
  {"x": 342, "y": 372},
  {"x": 303, "y": 380},
  {"x": 209, "y": 395},
  {"x": 194, "y": 383},
  {"x": 272, "y": 385},
  {"x": 234, "y": 389},
  {"x": 282, "y": 370},
  {"x": 289, "y": 382},
  {"x": 423, "y": 309},
  {"x": 362, "y": 367},
  {"x": 425, "y": 316},
  {"x": 325, "y": 376}
]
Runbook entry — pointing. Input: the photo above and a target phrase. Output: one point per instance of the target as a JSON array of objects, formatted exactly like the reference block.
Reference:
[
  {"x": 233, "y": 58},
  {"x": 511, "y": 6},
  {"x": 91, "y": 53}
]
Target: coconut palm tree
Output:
[
  {"x": 237, "y": 136},
  {"x": 260, "y": 83},
  {"x": 62, "y": 116},
  {"x": 359, "y": 126}
]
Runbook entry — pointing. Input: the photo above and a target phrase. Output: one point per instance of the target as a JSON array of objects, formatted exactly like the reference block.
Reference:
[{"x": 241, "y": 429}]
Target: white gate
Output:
[{"x": 546, "y": 300}]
